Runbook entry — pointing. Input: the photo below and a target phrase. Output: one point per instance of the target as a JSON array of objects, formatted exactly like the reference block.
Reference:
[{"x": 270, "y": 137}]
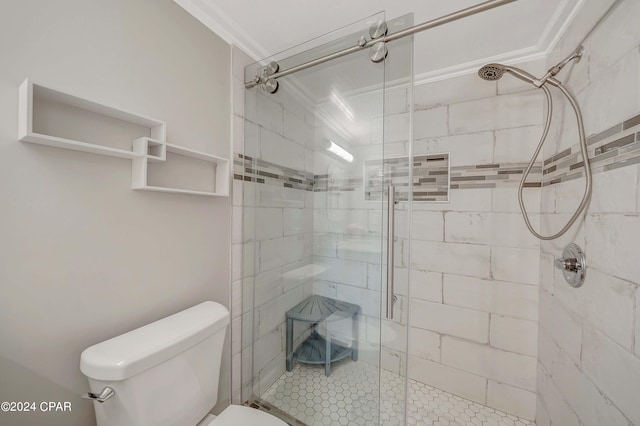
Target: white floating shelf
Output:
[
  {"x": 32, "y": 95},
  {"x": 46, "y": 105},
  {"x": 139, "y": 172},
  {"x": 153, "y": 149}
]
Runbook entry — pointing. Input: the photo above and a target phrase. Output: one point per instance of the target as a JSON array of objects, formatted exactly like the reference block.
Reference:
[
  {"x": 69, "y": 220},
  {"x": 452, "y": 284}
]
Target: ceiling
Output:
[{"x": 519, "y": 31}]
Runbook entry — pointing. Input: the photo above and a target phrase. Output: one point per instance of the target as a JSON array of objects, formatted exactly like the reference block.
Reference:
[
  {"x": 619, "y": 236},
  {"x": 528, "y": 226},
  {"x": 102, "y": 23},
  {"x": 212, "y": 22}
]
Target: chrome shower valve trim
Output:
[{"x": 573, "y": 265}]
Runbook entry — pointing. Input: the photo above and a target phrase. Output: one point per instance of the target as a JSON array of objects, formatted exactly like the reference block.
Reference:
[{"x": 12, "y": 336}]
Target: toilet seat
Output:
[{"x": 238, "y": 415}]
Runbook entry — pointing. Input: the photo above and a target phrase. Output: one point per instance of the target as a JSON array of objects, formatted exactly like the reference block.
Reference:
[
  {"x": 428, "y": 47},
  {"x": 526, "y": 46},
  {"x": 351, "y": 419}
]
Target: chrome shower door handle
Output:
[{"x": 391, "y": 206}]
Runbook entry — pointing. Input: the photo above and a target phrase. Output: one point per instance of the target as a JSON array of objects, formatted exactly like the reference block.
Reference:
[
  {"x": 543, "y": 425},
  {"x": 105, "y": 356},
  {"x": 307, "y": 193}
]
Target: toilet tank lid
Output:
[{"x": 138, "y": 350}]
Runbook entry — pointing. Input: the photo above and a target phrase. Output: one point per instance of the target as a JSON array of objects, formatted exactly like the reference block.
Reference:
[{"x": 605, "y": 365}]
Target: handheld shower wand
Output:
[{"x": 492, "y": 72}]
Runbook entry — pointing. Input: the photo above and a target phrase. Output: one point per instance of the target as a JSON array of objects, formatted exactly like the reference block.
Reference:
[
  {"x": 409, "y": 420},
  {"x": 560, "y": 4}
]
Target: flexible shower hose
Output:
[{"x": 585, "y": 158}]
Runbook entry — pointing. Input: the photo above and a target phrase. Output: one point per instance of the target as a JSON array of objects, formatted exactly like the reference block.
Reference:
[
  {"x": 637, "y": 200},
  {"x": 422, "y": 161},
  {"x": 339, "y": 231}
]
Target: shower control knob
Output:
[
  {"x": 573, "y": 265},
  {"x": 568, "y": 264}
]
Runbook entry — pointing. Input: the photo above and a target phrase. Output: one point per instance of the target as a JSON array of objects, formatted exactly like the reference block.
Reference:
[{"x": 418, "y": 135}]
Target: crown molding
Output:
[
  {"x": 549, "y": 38},
  {"x": 509, "y": 58},
  {"x": 223, "y": 26}
]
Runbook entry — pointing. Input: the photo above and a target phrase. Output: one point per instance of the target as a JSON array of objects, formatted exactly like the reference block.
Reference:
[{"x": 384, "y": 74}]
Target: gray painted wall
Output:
[{"x": 83, "y": 257}]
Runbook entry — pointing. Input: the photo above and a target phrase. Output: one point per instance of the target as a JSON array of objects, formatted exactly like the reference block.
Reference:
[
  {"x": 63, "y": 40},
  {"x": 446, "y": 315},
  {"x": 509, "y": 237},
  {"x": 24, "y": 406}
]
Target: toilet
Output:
[{"x": 165, "y": 374}]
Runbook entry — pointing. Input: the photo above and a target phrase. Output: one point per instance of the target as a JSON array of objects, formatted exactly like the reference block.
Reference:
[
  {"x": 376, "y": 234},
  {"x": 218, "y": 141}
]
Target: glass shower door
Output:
[{"x": 317, "y": 344}]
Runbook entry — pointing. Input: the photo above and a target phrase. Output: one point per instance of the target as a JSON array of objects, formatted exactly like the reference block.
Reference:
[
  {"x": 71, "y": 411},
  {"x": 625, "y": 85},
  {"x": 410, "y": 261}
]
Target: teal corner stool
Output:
[{"x": 316, "y": 349}]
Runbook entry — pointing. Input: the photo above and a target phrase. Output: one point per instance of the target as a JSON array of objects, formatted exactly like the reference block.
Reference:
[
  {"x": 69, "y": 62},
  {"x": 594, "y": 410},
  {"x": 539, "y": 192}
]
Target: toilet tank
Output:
[{"x": 163, "y": 374}]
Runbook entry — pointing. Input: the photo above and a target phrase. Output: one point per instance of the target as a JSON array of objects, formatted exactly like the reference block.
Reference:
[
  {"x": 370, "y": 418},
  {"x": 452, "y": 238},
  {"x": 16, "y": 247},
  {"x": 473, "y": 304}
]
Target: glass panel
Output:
[
  {"x": 315, "y": 238},
  {"x": 399, "y": 171}
]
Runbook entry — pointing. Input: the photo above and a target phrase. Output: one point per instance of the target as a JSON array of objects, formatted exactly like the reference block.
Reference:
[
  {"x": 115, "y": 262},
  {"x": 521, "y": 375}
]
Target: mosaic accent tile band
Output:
[
  {"x": 252, "y": 169},
  {"x": 616, "y": 147},
  {"x": 430, "y": 178},
  {"x": 494, "y": 175},
  {"x": 326, "y": 183}
]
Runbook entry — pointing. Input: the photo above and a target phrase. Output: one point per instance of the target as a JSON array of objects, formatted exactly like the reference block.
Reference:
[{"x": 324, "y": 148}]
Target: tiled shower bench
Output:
[{"x": 316, "y": 349}]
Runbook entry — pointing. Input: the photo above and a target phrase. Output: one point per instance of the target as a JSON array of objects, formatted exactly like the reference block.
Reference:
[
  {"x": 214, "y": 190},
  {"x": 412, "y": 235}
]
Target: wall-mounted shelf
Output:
[
  {"x": 39, "y": 121},
  {"x": 54, "y": 118},
  {"x": 153, "y": 149},
  {"x": 140, "y": 170}
]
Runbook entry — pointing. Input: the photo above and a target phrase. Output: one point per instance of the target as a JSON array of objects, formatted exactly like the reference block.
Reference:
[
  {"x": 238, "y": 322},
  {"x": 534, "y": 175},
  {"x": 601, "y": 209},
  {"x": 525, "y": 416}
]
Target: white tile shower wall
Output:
[
  {"x": 485, "y": 361},
  {"x": 453, "y": 380},
  {"x": 515, "y": 335},
  {"x": 554, "y": 406},
  {"x": 589, "y": 345},
  {"x": 497, "y": 297},
  {"x": 272, "y": 233},
  {"x": 474, "y": 266},
  {"x": 497, "y": 112},
  {"x": 465, "y": 149},
  {"x": 450, "y": 320},
  {"x": 514, "y": 400}
]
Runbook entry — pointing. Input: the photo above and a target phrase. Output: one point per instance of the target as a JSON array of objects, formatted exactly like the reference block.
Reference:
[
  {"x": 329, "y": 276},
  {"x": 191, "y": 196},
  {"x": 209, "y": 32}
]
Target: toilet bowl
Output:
[
  {"x": 165, "y": 374},
  {"x": 236, "y": 415}
]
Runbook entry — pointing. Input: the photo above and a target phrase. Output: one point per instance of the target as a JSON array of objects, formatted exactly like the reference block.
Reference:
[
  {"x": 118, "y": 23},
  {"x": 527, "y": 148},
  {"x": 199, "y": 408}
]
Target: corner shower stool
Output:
[{"x": 315, "y": 349}]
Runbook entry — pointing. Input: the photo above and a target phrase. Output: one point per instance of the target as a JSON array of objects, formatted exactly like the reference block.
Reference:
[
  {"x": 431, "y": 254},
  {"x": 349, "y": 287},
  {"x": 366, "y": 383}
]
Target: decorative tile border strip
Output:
[
  {"x": 494, "y": 176},
  {"x": 252, "y": 169},
  {"x": 430, "y": 178},
  {"x": 431, "y": 175},
  {"x": 616, "y": 147},
  {"x": 326, "y": 183}
]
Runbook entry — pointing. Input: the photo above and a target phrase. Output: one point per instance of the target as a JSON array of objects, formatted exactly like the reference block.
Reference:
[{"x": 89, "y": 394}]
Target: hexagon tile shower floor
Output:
[{"x": 341, "y": 399}]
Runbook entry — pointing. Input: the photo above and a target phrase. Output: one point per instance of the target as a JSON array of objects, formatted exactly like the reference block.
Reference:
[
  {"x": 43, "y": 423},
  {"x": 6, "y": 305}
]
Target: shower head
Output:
[{"x": 492, "y": 72}]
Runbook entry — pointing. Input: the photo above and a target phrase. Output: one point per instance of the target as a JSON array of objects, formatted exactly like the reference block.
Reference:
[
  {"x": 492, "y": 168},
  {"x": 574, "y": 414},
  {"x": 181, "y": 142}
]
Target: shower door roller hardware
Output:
[
  {"x": 270, "y": 69},
  {"x": 102, "y": 396},
  {"x": 270, "y": 85},
  {"x": 378, "y": 30},
  {"x": 463, "y": 13},
  {"x": 378, "y": 52},
  {"x": 573, "y": 265}
]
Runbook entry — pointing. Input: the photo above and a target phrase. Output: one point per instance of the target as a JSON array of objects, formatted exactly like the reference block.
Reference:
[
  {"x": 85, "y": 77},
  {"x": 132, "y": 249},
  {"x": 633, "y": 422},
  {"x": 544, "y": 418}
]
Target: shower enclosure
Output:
[
  {"x": 316, "y": 168},
  {"x": 484, "y": 331}
]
